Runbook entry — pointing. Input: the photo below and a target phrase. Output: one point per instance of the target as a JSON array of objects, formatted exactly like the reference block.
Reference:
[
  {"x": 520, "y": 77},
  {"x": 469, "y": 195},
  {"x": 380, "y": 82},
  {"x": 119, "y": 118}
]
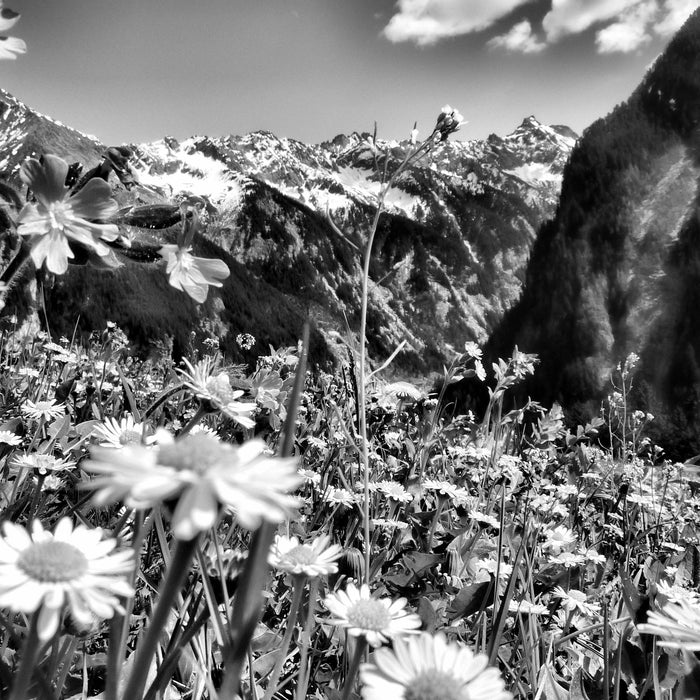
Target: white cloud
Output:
[
  {"x": 427, "y": 21},
  {"x": 520, "y": 38},
  {"x": 575, "y": 16},
  {"x": 675, "y": 13},
  {"x": 630, "y": 31}
]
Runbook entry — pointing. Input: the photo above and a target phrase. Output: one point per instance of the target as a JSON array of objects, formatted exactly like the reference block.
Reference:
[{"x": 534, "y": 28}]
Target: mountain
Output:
[
  {"x": 449, "y": 257},
  {"x": 618, "y": 268}
]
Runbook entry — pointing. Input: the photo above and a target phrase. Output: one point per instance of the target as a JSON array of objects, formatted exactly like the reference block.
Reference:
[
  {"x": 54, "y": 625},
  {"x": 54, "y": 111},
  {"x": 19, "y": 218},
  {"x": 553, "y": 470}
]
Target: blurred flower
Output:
[
  {"x": 677, "y": 625},
  {"x": 192, "y": 275},
  {"x": 46, "y": 410},
  {"x": 57, "y": 220},
  {"x": 7, "y": 437},
  {"x": 376, "y": 619},
  {"x": 217, "y": 390},
  {"x": 525, "y": 607},
  {"x": 72, "y": 568},
  {"x": 314, "y": 559},
  {"x": 426, "y": 667},
  {"x": 10, "y": 46},
  {"x": 204, "y": 474}
]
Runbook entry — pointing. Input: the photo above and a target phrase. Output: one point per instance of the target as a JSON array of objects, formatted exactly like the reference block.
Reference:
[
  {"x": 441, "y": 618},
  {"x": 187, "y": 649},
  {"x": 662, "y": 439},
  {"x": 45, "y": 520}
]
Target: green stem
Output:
[
  {"x": 299, "y": 585},
  {"x": 30, "y": 651},
  {"x": 303, "y": 679},
  {"x": 177, "y": 573},
  {"x": 354, "y": 666}
]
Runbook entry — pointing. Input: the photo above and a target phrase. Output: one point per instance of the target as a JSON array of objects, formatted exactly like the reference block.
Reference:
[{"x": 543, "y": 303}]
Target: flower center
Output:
[
  {"x": 435, "y": 685},
  {"x": 220, "y": 388},
  {"x": 53, "y": 562},
  {"x": 301, "y": 554},
  {"x": 193, "y": 453},
  {"x": 369, "y": 614},
  {"x": 56, "y": 216},
  {"x": 130, "y": 437}
]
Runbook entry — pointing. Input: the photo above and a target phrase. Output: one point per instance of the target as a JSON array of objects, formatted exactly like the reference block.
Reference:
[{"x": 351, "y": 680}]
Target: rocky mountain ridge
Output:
[{"x": 449, "y": 257}]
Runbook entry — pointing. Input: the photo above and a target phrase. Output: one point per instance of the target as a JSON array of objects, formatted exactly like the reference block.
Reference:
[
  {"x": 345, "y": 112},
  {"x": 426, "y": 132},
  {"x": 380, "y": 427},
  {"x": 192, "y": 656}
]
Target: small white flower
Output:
[
  {"x": 376, "y": 619},
  {"x": 316, "y": 558},
  {"x": 46, "y": 410},
  {"x": 7, "y": 437},
  {"x": 574, "y": 600}
]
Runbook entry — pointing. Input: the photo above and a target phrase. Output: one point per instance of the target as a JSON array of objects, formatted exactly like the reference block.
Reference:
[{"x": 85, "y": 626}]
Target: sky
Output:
[{"x": 137, "y": 70}]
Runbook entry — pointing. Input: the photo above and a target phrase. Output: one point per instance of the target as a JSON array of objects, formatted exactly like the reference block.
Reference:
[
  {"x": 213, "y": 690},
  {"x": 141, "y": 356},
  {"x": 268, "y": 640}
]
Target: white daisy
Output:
[
  {"x": 395, "y": 491},
  {"x": 375, "y": 619},
  {"x": 316, "y": 558},
  {"x": 7, "y": 437},
  {"x": 558, "y": 539},
  {"x": 118, "y": 433},
  {"x": 574, "y": 600},
  {"x": 204, "y": 474},
  {"x": 216, "y": 389},
  {"x": 42, "y": 463},
  {"x": 47, "y": 410},
  {"x": 72, "y": 568},
  {"x": 429, "y": 667}
]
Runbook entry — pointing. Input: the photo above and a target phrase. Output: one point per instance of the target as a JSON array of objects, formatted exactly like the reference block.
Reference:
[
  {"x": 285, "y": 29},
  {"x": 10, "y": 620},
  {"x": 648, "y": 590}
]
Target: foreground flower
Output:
[
  {"x": 204, "y": 474},
  {"x": 71, "y": 568},
  {"x": 311, "y": 560},
  {"x": 426, "y": 668},
  {"x": 449, "y": 120},
  {"x": 376, "y": 619},
  {"x": 192, "y": 275},
  {"x": 57, "y": 220},
  {"x": 10, "y": 46},
  {"x": 217, "y": 390},
  {"x": 677, "y": 625}
]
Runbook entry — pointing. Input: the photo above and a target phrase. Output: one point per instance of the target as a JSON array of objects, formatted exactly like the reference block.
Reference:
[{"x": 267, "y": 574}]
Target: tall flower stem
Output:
[
  {"x": 303, "y": 679},
  {"x": 299, "y": 586},
  {"x": 177, "y": 573},
  {"x": 354, "y": 666},
  {"x": 30, "y": 652}
]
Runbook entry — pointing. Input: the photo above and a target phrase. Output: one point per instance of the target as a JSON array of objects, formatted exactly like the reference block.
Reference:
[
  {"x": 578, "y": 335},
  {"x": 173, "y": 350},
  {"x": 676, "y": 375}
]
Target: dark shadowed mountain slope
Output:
[
  {"x": 618, "y": 269},
  {"x": 449, "y": 258}
]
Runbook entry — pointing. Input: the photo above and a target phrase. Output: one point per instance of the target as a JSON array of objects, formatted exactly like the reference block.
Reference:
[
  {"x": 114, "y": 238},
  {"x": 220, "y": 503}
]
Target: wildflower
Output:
[
  {"x": 190, "y": 274},
  {"x": 341, "y": 497},
  {"x": 449, "y": 120},
  {"x": 72, "y": 568},
  {"x": 426, "y": 667},
  {"x": 204, "y": 474},
  {"x": 314, "y": 559},
  {"x": 375, "y": 619},
  {"x": 485, "y": 519},
  {"x": 395, "y": 491},
  {"x": 677, "y": 625},
  {"x": 117, "y": 434},
  {"x": 473, "y": 350},
  {"x": 7, "y": 437},
  {"x": 525, "y": 607},
  {"x": 245, "y": 341},
  {"x": 403, "y": 391},
  {"x": 217, "y": 390},
  {"x": 10, "y": 46},
  {"x": 479, "y": 370},
  {"x": 559, "y": 539},
  {"x": 445, "y": 489},
  {"x": 43, "y": 463},
  {"x": 43, "y": 410},
  {"x": 310, "y": 476},
  {"x": 57, "y": 220},
  {"x": 574, "y": 600},
  {"x": 677, "y": 594},
  {"x": 389, "y": 524}
]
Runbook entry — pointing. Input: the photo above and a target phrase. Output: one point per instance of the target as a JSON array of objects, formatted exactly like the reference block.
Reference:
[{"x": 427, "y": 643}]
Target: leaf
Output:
[
  {"x": 547, "y": 686},
  {"x": 427, "y": 615},
  {"x": 471, "y": 599},
  {"x": 417, "y": 562}
]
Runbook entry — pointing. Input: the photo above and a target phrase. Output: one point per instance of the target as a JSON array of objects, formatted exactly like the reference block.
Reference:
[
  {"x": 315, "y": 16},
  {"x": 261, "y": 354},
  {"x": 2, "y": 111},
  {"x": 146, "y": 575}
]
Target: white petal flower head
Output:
[
  {"x": 192, "y": 275},
  {"x": 119, "y": 433},
  {"x": 375, "y": 619},
  {"x": 204, "y": 474},
  {"x": 427, "y": 667},
  {"x": 217, "y": 390},
  {"x": 677, "y": 625},
  {"x": 314, "y": 559},
  {"x": 43, "y": 463},
  {"x": 10, "y": 46},
  {"x": 574, "y": 601},
  {"x": 56, "y": 219},
  {"x": 46, "y": 410},
  {"x": 73, "y": 569},
  {"x": 559, "y": 539}
]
